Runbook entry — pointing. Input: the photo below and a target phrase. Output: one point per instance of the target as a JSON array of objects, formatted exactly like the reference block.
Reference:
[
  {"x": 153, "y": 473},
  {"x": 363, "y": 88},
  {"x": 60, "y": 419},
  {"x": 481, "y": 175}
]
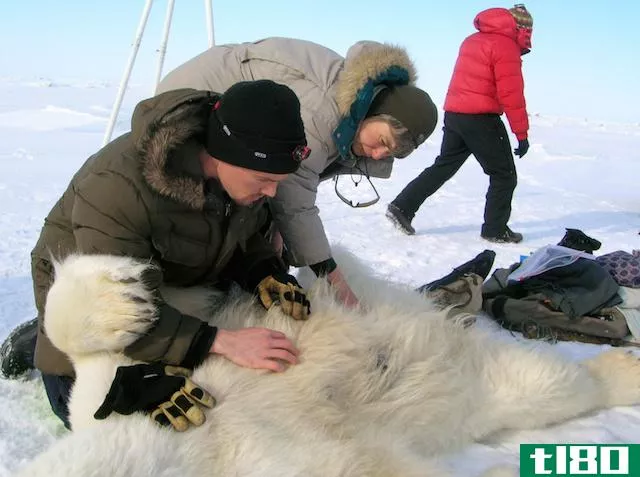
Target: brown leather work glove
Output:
[
  {"x": 165, "y": 392},
  {"x": 285, "y": 289}
]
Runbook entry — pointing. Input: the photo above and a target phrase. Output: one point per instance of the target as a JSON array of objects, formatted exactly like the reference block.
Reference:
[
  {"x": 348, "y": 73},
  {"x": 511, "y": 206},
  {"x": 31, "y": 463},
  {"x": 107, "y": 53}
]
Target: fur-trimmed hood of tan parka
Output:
[{"x": 366, "y": 60}]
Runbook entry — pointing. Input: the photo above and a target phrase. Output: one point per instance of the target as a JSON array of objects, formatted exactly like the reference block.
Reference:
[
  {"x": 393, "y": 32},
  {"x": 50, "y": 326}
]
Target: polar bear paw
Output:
[
  {"x": 100, "y": 303},
  {"x": 619, "y": 373}
]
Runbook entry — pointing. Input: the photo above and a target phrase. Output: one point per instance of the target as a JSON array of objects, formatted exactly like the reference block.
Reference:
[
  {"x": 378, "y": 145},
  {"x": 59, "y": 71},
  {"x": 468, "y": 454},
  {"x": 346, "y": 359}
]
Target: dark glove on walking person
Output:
[
  {"x": 286, "y": 289},
  {"x": 523, "y": 147},
  {"x": 163, "y": 391}
]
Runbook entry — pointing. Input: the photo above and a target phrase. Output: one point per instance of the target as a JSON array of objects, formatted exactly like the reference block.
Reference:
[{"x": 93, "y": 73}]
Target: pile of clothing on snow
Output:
[{"x": 558, "y": 292}]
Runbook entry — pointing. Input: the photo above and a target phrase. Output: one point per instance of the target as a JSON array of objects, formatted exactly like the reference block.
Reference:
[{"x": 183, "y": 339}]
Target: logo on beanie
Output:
[{"x": 300, "y": 153}]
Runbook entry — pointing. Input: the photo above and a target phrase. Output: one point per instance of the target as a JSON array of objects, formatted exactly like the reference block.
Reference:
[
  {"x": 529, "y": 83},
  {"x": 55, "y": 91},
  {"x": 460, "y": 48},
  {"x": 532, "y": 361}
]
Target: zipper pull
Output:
[{"x": 227, "y": 209}]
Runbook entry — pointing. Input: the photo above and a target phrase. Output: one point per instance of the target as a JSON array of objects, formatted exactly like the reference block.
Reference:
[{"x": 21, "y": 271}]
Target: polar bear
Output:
[{"x": 380, "y": 391}]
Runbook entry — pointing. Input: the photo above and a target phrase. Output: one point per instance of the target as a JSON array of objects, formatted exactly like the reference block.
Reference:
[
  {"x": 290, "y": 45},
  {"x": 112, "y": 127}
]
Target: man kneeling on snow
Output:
[{"x": 184, "y": 189}]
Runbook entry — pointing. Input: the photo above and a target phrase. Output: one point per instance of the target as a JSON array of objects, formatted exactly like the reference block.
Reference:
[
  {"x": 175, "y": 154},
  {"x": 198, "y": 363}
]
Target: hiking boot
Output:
[
  {"x": 463, "y": 296},
  {"x": 17, "y": 351},
  {"x": 480, "y": 265},
  {"x": 578, "y": 240},
  {"x": 400, "y": 219},
  {"x": 507, "y": 236}
]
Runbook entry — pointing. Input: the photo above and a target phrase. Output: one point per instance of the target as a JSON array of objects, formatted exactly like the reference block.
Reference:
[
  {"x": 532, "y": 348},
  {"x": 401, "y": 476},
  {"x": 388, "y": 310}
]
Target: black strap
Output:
[{"x": 325, "y": 267}]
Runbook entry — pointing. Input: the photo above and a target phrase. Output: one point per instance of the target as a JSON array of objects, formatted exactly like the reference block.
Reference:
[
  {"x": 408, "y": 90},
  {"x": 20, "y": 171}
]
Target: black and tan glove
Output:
[
  {"x": 285, "y": 289},
  {"x": 165, "y": 392}
]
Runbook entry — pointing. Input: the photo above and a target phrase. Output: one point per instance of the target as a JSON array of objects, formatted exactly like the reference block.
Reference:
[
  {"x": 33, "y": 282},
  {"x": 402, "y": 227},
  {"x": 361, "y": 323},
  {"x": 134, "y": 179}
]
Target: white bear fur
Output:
[{"x": 380, "y": 391}]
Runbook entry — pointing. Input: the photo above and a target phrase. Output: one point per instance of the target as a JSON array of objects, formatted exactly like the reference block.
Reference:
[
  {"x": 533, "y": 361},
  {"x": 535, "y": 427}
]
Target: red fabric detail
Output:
[
  {"x": 524, "y": 38},
  {"x": 300, "y": 153},
  {"x": 487, "y": 77}
]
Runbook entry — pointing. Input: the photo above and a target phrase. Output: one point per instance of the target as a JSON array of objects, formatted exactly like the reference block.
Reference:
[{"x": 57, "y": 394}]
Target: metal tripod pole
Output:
[
  {"x": 162, "y": 51},
  {"x": 163, "y": 44},
  {"x": 208, "y": 9},
  {"x": 165, "y": 36},
  {"x": 127, "y": 71}
]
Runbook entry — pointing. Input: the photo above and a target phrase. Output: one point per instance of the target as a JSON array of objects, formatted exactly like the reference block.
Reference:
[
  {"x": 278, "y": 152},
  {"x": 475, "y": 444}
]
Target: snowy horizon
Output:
[{"x": 138, "y": 89}]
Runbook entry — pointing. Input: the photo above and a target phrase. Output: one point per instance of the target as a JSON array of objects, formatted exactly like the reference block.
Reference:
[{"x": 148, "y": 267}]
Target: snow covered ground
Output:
[{"x": 579, "y": 173}]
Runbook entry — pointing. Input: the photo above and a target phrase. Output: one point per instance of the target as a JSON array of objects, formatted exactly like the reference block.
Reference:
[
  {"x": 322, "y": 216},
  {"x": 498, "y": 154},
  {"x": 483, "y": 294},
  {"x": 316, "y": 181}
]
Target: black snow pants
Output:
[{"x": 484, "y": 136}]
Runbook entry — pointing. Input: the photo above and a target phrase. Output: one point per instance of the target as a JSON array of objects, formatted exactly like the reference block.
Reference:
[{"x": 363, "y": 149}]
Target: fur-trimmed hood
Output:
[
  {"x": 365, "y": 61},
  {"x": 162, "y": 129},
  {"x": 368, "y": 69}
]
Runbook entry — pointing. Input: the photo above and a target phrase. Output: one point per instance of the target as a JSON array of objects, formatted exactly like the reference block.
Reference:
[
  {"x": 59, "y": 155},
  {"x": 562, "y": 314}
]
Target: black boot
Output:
[
  {"x": 506, "y": 236},
  {"x": 17, "y": 351},
  {"x": 400, "y": 219},
  {"x": 578, "y": 240},
  {"x": 480, "y": 265}
]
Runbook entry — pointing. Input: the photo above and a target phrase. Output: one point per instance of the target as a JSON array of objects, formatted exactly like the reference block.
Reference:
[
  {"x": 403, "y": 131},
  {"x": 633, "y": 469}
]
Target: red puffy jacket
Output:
[{"x": 487, "y": 77}]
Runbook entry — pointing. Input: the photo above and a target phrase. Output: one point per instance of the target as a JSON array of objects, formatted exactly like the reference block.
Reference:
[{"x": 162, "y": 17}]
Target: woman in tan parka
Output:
[{"x": 359, "y": 113}]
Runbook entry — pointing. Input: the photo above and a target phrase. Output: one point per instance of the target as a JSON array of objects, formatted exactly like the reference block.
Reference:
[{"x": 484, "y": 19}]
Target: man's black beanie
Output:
[{"x": 257, "y": 125}]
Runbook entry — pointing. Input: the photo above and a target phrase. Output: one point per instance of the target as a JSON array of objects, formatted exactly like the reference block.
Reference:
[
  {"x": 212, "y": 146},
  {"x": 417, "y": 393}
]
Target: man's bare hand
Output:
[{"x": 257, "y": 348}]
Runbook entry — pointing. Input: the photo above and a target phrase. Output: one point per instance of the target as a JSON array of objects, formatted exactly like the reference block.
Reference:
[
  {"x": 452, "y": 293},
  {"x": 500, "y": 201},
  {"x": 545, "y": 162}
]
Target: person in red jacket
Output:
[{"x": 486, "y": 82}]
